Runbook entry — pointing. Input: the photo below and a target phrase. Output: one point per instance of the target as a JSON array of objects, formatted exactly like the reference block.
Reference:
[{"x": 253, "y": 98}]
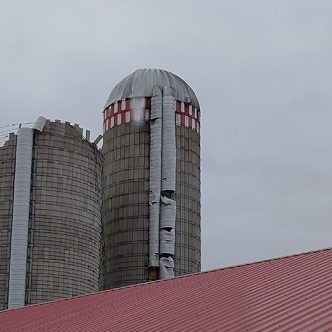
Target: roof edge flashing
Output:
[{"x": 40, "y": 123}]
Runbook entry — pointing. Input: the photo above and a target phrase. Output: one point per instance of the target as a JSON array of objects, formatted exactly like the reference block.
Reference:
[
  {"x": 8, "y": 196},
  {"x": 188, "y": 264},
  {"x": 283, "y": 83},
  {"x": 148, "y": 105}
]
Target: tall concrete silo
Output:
[
  {"x": 50, "y": 199},
  {"x": 151, "y": 179}
]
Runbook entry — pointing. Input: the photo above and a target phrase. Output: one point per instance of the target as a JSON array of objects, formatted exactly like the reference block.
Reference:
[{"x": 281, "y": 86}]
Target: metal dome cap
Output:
[{"x": 141, "y": 83}]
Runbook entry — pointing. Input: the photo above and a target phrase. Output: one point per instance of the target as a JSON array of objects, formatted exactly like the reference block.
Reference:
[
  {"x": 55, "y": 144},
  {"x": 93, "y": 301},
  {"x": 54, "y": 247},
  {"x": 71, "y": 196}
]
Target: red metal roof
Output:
[{"x": 286, "y": 294}]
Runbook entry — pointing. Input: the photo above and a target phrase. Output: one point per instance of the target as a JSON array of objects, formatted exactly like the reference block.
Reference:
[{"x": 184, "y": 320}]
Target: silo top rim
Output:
[{"x": 141, "y": 83}]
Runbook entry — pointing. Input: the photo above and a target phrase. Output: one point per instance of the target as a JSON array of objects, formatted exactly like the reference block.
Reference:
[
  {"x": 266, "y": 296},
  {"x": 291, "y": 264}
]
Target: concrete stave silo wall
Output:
[
  {"x": 65, "y": 221},
  {"x": 188, "y": 215},
  {"x": 125, "y": 209},
  {"x": 132, "y": 264},
  {"x": 7, "y": 172}
]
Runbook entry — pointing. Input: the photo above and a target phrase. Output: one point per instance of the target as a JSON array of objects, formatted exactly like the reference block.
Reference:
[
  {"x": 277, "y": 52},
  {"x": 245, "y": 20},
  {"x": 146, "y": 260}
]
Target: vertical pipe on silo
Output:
[
  {"x": 21, "y": 207},
  {"x": 167, "y": 226},
  {"x": 21, "y": 214},
  {"x": 168, "y": 142},
  {"x": 155, "y": 178},
  {"x": 168, "y": 183}
]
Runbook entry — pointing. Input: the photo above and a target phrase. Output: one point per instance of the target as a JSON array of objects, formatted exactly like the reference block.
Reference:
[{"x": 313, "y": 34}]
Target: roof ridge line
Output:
[{"x": 263, "y": 261}]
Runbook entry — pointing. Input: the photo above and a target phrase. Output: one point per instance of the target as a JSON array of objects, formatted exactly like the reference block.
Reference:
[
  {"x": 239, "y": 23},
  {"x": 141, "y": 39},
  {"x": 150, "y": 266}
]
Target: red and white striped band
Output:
[
  {"x": 138, "y": 110},
  {"x": 188, "y": 116}
]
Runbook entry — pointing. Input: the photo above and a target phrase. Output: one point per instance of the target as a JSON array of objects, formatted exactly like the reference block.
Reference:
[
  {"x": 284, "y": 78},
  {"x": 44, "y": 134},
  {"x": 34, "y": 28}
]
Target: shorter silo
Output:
[{"x": 55, "y": 225}]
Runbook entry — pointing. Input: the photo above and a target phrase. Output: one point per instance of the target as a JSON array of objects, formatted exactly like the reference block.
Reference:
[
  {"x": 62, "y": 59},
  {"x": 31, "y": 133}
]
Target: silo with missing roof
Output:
[{"x": 50, "y": 210}]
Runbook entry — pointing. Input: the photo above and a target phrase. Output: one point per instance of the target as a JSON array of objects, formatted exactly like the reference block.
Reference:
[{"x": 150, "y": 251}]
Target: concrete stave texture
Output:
[
  {"x": 187, "y": 229},
  {"x": 7, "y": 171},
  {"x": 125, "y": 209},
  {"x": 65, "y": 220},
  {"x": 63, "y": 252}
]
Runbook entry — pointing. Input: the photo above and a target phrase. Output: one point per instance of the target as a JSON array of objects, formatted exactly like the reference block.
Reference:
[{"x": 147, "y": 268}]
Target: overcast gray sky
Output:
[{"x": 261, "y": 69}]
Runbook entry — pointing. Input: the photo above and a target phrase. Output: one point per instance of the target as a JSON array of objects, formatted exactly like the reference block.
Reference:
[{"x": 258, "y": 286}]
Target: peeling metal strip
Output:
[
  {"x": 40, "y": 123},
  {"x": 168, "y": 185},
  {"x": 168, "y": 142},
  {"x": 167, "y": 213},
  {"x": 155, "y": 176},
  {"x": 166, "y": 269},
  {"x": 167, "y": 241}
]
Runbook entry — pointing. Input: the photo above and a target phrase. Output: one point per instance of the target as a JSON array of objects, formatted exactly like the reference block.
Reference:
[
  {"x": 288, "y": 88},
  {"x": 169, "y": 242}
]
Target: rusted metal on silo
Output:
[{"x": 151, "y": 179}]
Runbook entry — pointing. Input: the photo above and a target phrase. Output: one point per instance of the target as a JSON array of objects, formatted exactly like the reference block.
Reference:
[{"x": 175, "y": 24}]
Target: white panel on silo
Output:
[
  {"x": 21, "y": 207},
  {"x": 167, "y": 241},
  {"x": 167, "y": 213},
  {"x": 39, "y": 123}
]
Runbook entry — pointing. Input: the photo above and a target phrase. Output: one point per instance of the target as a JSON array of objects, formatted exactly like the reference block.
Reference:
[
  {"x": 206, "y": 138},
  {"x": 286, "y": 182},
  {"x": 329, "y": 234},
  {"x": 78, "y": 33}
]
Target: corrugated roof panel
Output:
[{"x": 287, "y": 294}]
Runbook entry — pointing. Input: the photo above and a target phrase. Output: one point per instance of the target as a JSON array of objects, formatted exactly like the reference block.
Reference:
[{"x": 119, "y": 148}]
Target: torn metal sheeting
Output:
[
  {"x": 166, "y": 269},
  {"x": 167, "y": 213},
  {"x": 168, "y": 168},
  {"x": 39, "y": 123},
  {"x": 167, "y": 241},
  {"x": 155, "y": 176},
  {"x": 162, "y": 210}
]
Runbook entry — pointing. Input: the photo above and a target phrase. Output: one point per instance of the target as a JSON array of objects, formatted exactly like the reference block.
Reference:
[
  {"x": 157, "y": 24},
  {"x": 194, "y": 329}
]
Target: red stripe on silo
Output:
[
  {"x": 178, "y": 106},
  {"x": 186, "y": 109},
  {"x": 123, "y": 117},
  {"x": 127, "y": 104},
  {"x": 148, "y": 103},
  {"x": 189, "y": 124},
  {"x": 112, "y": 110},
  {"x": 182, "y": 119}
]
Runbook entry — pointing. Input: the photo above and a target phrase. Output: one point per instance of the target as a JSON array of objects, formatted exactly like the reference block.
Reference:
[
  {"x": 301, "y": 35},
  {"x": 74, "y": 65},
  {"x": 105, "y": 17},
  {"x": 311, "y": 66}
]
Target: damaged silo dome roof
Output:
[{"x": 142, "y": 82}]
